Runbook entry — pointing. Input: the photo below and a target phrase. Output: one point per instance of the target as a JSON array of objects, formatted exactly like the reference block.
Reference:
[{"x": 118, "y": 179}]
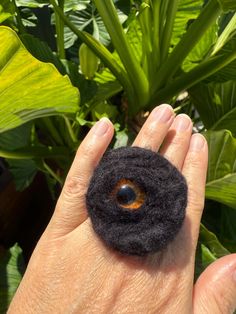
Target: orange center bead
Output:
[{"x": 128, "y": 195}]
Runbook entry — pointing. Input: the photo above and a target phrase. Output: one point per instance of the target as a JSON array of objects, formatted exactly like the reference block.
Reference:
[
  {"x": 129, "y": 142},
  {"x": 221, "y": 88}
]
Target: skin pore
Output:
[{"x": 72, "y": 271}]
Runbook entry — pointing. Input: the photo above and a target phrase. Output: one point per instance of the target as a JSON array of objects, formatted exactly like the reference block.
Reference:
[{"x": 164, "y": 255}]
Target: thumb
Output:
[{"x": 215, "y": 289}]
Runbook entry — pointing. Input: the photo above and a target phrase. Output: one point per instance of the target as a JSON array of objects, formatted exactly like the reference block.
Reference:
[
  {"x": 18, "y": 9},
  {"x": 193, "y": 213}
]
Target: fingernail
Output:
[
  {"x": 163, "y": 113},
  {"x": 197, "y": 143},
  {"x": 181, "y": 123},
  {"x": 101, "y": 127}
]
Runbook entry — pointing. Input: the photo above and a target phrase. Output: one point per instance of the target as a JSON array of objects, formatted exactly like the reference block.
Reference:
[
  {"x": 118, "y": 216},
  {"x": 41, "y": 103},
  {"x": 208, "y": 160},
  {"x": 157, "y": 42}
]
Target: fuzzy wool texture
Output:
[{"x": 156, "y": 223}]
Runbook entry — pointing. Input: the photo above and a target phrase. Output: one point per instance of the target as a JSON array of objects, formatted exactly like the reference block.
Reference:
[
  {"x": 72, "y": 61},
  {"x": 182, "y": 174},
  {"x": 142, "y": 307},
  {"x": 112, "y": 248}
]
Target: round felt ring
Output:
[{"x": 152, "y": 226}]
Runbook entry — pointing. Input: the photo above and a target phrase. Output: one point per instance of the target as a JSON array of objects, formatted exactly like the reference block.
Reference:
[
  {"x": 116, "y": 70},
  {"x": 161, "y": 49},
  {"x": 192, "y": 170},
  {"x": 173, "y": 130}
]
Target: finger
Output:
[
  {"x": 177, "y": 141},
  {"x": 155, "y": 128},
  {"x": 215, "y": 289},
  {"x": 71, "y": 211},
  {"x": 194, "y": 170}
]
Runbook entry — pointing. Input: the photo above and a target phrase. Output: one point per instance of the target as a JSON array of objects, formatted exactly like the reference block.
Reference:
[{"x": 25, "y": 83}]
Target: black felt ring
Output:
[{"x": 157, "y": 221}]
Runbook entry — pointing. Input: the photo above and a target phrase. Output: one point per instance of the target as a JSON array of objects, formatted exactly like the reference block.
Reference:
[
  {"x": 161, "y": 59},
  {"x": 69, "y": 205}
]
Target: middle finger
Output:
[{"x": 155, "y": 128}]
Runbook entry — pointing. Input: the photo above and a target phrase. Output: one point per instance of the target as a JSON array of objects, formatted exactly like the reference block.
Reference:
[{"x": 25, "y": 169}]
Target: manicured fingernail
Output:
[
  {"x": 197, "y": 143},
  {"x": 182, "y": 122},
  {"x": 101, "y": 127}
]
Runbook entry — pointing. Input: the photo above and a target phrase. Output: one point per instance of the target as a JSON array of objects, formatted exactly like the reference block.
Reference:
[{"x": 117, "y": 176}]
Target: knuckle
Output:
[
  {"x": 87, "y": 151},
  {"x": 193, "y": 160},
  {"x": 179, "y": 140},
  {"x": 195, "y": 198},
  {"x": 74, "y": 187}
]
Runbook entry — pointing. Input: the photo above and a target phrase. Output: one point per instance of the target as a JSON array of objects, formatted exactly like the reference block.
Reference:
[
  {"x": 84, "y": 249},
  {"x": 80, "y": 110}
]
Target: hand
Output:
[{"x": 72, "y": 271}]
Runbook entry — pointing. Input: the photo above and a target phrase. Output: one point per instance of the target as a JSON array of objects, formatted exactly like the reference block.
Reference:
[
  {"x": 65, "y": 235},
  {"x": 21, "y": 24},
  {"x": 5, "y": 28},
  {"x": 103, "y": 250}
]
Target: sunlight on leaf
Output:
[
  {"x": 221, "y": 176},
  {"x": 30, "y": 89},
  {"x": 11, "y": 270}
]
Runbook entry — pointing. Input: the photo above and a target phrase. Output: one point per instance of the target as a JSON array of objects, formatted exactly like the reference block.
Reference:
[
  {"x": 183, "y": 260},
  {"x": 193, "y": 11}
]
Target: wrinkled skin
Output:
[{"x": 72, "y": 271}]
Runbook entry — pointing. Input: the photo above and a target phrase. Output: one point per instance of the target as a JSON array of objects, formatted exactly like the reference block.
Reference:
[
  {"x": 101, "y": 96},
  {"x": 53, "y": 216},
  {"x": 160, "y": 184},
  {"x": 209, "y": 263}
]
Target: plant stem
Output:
[
  {"x": 70, "y": 131},
  {"x": 60, "y": 31},
  {"x": 156, "y": 54},
  {"x": 53, "y": 131},
  {"x": 167, "y": 32},
  {"x": 136, "y": 74},
  {"x": 52, "y": 173},
  {"x": 199, "y": 73},
  {"x": 197, "y": 29},
  {"x": 35, "y": 152},
  {"x": 101, "y": 51},
  {"x": 177, "y": 109},
  {"x": 163, "y": 10}
]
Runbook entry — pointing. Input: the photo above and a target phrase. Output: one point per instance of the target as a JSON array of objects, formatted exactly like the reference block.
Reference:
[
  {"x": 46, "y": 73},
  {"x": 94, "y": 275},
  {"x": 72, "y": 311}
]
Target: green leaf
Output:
[
  {"x": 104, "y": 109},
  {"x": 30, "y": 89},
  {"x": 41, "y": 51},
  {"x": 216, "y": 104},
  {"x": 75, "y": 5},
  {"x": 187, "y": 11},
  {"x": 31, "y": 3},
  {"x": 228, "y": 72},
  {"x": 122, "y": 139},
  {"x": 105, "y": 91},
  {"x": 6, "y": 10},
  {"x": 221, "y": 175},
  {"x": 16, "y": 138},
  {"x": 23, "y": 171},
  {"x": 11, "y": 271},
  {"x": 89, "y": 19},
  {"x": 202, "y": 49},
  {"x": 209, "y": 250},
  {"x": 211, "y": 241},
  {"x": 228, "y": 31},
  {"x": 207, "y": 256},
  {"x": 227, "y": 5}
]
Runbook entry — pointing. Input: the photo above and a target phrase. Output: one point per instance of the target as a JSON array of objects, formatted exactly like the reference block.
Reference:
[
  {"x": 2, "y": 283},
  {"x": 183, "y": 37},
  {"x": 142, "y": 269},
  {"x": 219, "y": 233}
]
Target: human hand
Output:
[{"x": 72, "y": 271}]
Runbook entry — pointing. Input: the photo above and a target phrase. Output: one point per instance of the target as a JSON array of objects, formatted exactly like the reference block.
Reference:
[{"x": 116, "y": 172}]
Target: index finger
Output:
[{"x": 70, "y": 210}]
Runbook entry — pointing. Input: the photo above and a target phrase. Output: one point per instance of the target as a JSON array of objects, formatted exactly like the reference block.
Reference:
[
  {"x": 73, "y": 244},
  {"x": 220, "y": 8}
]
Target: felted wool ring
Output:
[{"x": 136, "y": 200}]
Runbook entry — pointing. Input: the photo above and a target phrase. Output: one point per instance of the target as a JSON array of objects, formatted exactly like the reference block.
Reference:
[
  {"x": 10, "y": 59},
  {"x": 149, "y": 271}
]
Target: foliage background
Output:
[{"x": 53, "y": 89}]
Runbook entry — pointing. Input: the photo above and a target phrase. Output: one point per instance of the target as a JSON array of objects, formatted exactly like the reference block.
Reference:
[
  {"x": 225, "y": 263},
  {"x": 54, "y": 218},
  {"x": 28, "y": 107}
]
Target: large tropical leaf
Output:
[
  {"x": 216, "y": 104},
  {"x": 88, "y": 18},
  {"x": 41, "y": 51},
  {"x": 221, "y": 176},
  {"x": 188, "y": 10},
  {"x": 228, "y": 72},
  {"x": 202, "y": 49},
  {"x": 11, "y": 270},
  {"x": 30, "y": 89}
]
